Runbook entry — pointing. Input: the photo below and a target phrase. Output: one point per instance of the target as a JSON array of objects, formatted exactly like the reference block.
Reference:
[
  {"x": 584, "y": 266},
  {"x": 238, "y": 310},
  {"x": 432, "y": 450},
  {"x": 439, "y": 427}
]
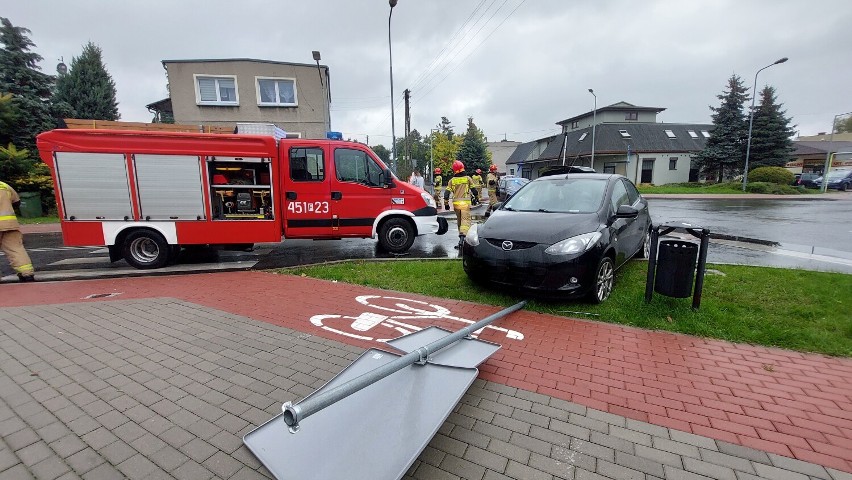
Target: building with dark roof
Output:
[
  {"x": 627, "y": 140},
  {"x": 810, "y": 156}
]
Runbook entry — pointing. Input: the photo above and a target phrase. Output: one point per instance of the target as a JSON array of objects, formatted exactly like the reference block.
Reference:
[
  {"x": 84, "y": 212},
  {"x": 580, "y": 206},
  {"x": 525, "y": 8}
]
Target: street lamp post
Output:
[
  {"x": 828, "y": 153},
  {"x": 594, "y": 124},
  {"x": 390, "y": 53},
  {"x": 751, "y": 118}
]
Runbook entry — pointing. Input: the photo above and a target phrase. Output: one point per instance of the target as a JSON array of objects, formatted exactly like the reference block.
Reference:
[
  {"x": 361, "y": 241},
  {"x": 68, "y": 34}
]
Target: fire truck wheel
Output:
[
  {"x": 146, "y": 249},
  {"x": 396, "y": 235}
]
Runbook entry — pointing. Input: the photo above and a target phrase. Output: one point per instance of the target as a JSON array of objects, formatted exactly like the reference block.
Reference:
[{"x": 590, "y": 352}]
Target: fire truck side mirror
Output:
[{"x": 387, "y": 177}]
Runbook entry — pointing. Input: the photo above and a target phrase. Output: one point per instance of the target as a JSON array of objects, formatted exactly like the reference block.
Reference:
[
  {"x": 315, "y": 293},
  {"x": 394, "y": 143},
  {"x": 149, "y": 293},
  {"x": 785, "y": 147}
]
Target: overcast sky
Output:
[{"x": 516, "y": 66}]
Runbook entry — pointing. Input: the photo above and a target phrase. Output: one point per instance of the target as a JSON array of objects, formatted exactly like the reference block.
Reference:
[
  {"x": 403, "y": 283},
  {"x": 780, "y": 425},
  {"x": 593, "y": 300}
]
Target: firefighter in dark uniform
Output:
[
  {"x": 438, "y": 183},
  {"x": 11, "y": 239},
  {"x": 459, "y": 184},
  {"x": 491, "y": 184}
]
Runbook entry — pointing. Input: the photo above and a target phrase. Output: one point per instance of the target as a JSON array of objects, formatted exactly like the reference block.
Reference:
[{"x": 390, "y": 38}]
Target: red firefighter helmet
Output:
[
  {"x": 479, "y": 171},
  {"x": 493, "y": 168},
  {"x": 458, "y": 166},
  {"x": 437, "y": 171}
]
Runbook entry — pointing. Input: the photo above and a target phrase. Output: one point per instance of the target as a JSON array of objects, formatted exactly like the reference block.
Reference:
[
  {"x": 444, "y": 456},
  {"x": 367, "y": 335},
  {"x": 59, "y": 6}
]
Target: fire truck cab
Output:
[{"x": 146, "y": 194}]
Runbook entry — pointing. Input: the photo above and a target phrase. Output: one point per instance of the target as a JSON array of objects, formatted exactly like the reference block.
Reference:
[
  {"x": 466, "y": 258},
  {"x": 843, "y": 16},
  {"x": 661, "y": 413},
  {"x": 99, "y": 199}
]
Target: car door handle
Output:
[
  {"x": 290, "y": 195},
  {"x": 336, "y": 195}
]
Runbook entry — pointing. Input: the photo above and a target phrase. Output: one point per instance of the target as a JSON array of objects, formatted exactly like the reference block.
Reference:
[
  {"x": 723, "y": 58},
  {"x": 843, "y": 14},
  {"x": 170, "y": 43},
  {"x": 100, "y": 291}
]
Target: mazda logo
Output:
[{"x": 507, "y": 245}]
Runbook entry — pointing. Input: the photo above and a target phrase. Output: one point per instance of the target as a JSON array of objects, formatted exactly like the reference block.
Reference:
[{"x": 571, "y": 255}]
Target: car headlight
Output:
[
  {"x": 430, "y": 202},
  {"x": 577, "y": 244},
  {"x": 472, "y": 237}
]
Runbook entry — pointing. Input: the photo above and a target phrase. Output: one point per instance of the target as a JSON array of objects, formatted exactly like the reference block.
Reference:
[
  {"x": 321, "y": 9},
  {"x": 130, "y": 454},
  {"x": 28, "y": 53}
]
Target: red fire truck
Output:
[{"x": 146, "y": 194}]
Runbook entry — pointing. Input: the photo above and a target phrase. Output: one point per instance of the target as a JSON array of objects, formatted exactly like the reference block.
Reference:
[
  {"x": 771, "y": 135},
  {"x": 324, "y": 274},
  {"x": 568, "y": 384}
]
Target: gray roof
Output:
[
  {"x": 617, "y": 107},
  {"x": 253, "y": 60},
  {"x": 521, "y": 152},
  {"x": 644, "y": 138},
  {"x": 821, "y": 147}
]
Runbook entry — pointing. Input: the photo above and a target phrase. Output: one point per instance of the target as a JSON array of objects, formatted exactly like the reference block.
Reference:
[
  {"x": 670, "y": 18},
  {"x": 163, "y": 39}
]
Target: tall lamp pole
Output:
[
  {"x": 830, "y": 148},
  {"x": 390, "y": 52},
  {"x": 751, "y": 118},
  {"x": 594, "y": 124},
  {"x": 432, "y": 153}
]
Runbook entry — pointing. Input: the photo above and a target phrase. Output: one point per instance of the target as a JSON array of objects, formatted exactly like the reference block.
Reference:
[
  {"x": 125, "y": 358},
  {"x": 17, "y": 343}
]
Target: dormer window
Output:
[
  {"x": 631, "y": 116},
  {"x": 624, "y": 133},
  {"x": 670, "y": 134}
]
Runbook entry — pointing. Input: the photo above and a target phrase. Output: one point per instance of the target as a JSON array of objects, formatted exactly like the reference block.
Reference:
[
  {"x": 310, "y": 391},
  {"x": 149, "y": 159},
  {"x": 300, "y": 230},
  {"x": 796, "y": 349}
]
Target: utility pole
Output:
[{"x": 406, "y": 94}]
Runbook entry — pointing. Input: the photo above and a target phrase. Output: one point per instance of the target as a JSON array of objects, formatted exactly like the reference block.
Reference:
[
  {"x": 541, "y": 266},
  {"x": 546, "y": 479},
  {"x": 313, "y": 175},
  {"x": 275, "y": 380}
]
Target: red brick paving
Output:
[{"x": 789, "y": 403}]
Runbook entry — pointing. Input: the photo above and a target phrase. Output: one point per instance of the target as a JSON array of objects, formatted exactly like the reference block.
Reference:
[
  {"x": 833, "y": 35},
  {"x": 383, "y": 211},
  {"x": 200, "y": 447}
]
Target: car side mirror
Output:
[{"x": 626, "y": 211}]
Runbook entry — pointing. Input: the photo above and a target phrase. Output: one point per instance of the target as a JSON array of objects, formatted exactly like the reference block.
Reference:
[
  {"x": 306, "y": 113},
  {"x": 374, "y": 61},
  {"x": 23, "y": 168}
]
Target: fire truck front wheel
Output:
[
  {"x": 145, "y": 249},
  {"x": 396, "y": 235}
]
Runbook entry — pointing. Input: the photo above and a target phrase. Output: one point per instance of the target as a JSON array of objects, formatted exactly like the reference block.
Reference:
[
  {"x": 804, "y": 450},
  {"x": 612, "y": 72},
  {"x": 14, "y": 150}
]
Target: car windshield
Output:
[{"x": 570, "y": 195}]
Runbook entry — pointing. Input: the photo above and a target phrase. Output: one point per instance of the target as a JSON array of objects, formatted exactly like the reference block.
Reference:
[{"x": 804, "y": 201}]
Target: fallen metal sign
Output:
[{"x": 373, "y": 419}]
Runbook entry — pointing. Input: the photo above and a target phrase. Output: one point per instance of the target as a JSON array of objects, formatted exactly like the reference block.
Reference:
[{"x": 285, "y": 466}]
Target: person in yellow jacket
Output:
[
  {"x": 438, "y": 184},
  {"x": 491, "y": 184},
  {"x": 476, "y": 187},
  {"x": 459, "y": 184},
  {"x": 11, "y": 239}
]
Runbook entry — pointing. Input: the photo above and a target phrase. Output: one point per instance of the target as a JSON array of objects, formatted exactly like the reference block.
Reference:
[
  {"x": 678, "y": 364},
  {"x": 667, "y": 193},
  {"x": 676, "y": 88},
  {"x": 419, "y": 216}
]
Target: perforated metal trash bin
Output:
[
  {"x": 31, "y": 204},
  {"x": 675, "y": 268}
]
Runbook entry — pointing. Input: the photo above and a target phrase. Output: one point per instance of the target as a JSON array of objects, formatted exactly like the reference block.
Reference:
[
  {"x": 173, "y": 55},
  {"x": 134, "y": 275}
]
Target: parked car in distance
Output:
[
  {"x": 561, "y": 236},
  {"x": 507, "y": 186},
  {"x": 837, "y": 180},
  {"x": 805, "y": 179}
]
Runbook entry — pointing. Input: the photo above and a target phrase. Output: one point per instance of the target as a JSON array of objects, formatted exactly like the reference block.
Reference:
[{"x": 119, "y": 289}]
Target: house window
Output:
[
  {"x": 631, "y": 116},
  {"x": 276, "y": 92},
  {"x": 609, "y": 168},
  {"x": 583, "y": 136},
  {"x": 670, "y": 134},
  {"x": 624, "y": 133},
  {"x": 672, "y": 163},
  {"x": 220, "y": 90},
  {"x": 705, "y": 133},
  {"x": 692, "y": 133},
  {"x": 511, "y": 171},
  {"x": 575, "y": 124}
]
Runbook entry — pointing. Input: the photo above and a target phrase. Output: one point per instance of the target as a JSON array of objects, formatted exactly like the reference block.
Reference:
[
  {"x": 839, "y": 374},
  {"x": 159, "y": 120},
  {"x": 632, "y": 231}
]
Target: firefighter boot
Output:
[
  {"x": 461, "y": 241},
  {"x": 26, "y": 278}
]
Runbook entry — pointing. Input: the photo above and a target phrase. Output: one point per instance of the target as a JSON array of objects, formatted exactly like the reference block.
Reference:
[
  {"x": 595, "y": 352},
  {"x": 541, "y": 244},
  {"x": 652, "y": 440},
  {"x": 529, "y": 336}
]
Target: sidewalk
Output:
[{"x": 160, "y": 378}]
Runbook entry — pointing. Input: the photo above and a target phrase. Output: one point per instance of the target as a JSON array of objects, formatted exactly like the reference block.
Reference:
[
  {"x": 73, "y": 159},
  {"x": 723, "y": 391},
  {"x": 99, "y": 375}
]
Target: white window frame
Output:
[
  {"x": 692, "y": 133},
  {"x": 583, "y": 136},
  {"x": 705, "y": 133},
  {"x": 215, "y": 77},
  {"x": 276, "y": 103},
  {"x": 670, "y": 134},
  {"x": 624, "y": 133}
]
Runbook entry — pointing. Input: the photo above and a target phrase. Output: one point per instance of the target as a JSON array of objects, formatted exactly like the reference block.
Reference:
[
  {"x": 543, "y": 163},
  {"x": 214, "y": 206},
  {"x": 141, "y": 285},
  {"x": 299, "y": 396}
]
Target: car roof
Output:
[{"x": 597, "y": 176}]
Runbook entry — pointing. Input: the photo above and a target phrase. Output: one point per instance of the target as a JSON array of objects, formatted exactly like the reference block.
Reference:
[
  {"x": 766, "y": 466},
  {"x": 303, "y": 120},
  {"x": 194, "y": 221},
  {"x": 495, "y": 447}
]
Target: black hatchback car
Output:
[{"x": 561, "y": 236}]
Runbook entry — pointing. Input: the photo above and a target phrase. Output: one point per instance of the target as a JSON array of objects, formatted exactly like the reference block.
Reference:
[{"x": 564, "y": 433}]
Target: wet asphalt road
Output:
[{"x": 810, "y": 234}]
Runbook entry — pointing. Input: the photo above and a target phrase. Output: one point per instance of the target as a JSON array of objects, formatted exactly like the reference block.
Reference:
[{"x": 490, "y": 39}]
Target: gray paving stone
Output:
[
  {"x": 620, "y": 472},
  {"x": 683, "y": 449},
  {"x": 428, "y": 472},
  {"x": 806, "y": 468},
  {"x": 574, "y": 458},
  {"x": 678, "y": 474},
  {"x": 486, "y": 459},
  {"x": 708, "y": 469},
  {"x": 84, "y": 460},
  {"x": 570, "y": 429},
  {"x": 519, "y": 471},
  {"x": 775, "y": 473},
  {"x": 692, "y": 439},
  {"x": 556, "y": 467},
  {"x": 510, "y": 451},
  {"x": 32, "y": 454},
  {"x": 838, "y": 475},
  {"x": 659, "y": 456},
  {"x": 630, "y": 435},
  {"x": 532, "y": 444},
  {"x": 744, "y": 452},
  {"x": 643, "y": 464},
  {"x": 50, "y": 468},
  {"x": 463, "y": 468}
]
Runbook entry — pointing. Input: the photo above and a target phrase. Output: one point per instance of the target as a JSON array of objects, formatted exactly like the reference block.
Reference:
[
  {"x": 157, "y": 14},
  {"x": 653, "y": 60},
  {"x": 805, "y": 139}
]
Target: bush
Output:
[
  {"x": 771, "y": 188},
  {"x": 779, "y": 175}
]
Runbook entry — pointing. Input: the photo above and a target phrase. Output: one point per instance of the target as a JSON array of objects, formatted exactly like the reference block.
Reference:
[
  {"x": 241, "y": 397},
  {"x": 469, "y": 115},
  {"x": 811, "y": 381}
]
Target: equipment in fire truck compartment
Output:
[{"x": 240, "y": 191}]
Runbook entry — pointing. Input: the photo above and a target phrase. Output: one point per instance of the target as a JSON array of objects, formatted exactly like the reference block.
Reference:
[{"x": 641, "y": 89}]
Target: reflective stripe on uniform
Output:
[
  {"x": 28, "y": 268},
  {"x": 7, "y": 217}
]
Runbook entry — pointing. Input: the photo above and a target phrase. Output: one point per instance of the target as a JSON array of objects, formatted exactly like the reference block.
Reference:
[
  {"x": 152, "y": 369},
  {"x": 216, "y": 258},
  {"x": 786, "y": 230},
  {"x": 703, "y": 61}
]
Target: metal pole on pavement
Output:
[
  {"x": 751, "y": 119},
  {"x": 390, "y": 54},
  {"x": 293, "y": 414},
  {"x": 828, "y": 153}
]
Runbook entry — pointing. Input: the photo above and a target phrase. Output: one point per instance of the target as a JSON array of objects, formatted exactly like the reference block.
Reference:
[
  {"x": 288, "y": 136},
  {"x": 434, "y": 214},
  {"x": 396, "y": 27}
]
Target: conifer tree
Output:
[
  {"x": 88, "y": 88},
  {"x": 771, "y": 144},
  {"x": 724, "y": 154},
  {"x": 474, "y": 152},
  {"x": 20, "y": 75}
]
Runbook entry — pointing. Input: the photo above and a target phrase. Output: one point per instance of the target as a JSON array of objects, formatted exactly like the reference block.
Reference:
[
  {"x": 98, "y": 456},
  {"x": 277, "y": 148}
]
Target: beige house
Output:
[{"x": 293, "y": 96}]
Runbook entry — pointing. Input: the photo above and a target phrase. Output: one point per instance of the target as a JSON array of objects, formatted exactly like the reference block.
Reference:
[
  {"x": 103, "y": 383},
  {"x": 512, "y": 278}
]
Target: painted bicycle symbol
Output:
[{"x": 381, "y": 328}]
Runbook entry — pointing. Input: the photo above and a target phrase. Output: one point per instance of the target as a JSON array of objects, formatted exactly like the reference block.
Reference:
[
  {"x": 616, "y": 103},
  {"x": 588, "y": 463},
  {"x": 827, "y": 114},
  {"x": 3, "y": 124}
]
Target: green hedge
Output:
[{"x": 779, "y": 175}]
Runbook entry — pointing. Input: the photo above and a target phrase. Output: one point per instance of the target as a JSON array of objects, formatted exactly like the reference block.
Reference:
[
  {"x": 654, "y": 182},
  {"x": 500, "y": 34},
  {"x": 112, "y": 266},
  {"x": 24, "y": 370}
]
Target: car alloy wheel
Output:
[{"x": 603, "y": 280}]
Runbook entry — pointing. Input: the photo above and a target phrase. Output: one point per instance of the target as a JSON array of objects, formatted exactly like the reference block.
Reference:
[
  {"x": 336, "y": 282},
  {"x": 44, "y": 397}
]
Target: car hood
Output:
[{"x": 544, "y": 228}]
